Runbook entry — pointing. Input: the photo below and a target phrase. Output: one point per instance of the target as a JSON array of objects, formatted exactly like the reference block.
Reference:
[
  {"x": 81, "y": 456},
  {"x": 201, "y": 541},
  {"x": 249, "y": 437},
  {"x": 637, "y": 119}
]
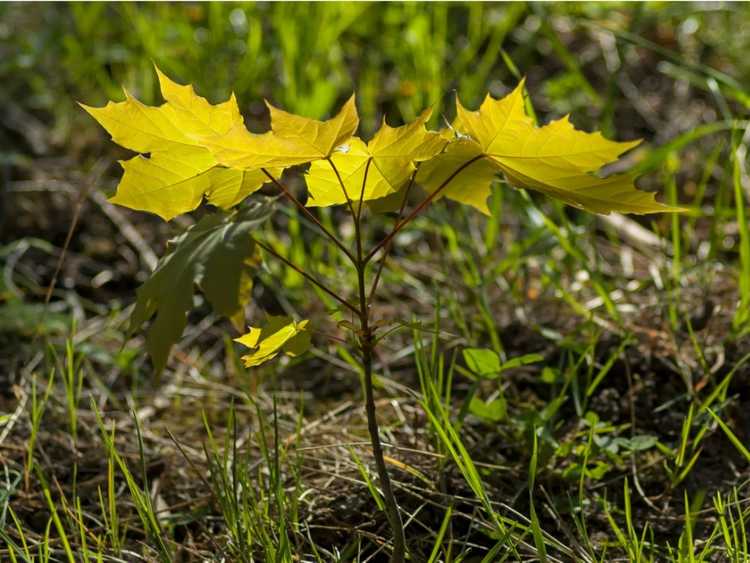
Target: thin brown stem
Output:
[
  {"x": 417, "y": 210},
  {"x": 356, "y": 216},
  {"x": 362, "y": 191},
  {"x": 307, "y": 276},
  {"x": 97, "y": 171},
  {"x": 367, "y": 344},
  {"x": 388, "y": 246},
  {"x": 343, "y": 188},
  {"x": 309, "y": 215}
]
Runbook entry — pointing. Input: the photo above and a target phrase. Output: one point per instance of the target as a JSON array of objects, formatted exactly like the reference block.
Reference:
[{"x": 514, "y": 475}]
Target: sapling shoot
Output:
[{"x": 192, "y": 152}]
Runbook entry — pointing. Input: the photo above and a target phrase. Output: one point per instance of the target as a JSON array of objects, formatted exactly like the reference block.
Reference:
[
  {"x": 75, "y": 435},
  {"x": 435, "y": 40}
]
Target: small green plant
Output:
[{"x": 193, "y": 152}]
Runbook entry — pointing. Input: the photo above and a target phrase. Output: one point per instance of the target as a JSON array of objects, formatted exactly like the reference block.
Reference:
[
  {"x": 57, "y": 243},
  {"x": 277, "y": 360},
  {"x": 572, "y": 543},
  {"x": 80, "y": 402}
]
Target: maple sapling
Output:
[{"x": 191, "y": 152}]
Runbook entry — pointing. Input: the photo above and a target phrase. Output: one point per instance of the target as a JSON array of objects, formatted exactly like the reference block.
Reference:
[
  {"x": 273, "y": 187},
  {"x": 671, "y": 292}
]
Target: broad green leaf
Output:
[
  {"x": 482, "y": 361},
  {"x": 392, "y": 154},
  {"x": 217, "y": 253},
  {"x": 280, "y": 334},
  {"x": 493, "y": 411},
  {"x": 524, "y": 360},
  {"x": 292, "y": 140},
  {"x": 175, "y": 171},
  {"x": 486, "y": 364},
  {"x": 642, "y": 442}
]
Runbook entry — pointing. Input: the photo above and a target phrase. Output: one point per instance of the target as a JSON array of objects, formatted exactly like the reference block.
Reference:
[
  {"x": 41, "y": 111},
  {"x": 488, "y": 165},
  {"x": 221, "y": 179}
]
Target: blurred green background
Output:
[
  {"x": 673, "y": 74},
  {"x": 398, "y": 57}
]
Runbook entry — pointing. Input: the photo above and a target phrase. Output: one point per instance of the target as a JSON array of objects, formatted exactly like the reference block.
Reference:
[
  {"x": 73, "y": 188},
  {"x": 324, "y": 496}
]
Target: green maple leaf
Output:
[{"x": 217, "y": 254}]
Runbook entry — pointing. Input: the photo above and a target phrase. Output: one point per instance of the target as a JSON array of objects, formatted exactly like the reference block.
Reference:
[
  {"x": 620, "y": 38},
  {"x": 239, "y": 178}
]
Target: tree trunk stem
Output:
[
  {"x": 367, "y": 344},
  {"x": 391, "y": 507}
]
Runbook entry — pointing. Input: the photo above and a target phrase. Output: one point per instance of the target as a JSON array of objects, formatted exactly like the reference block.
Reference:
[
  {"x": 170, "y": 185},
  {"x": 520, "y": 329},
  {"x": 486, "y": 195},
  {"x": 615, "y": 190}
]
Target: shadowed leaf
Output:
[{"x": 217, "y": 253}]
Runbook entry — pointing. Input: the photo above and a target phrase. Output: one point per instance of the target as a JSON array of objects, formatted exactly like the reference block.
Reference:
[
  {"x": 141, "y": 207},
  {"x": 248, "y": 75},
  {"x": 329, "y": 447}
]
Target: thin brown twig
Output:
[
  {"x": 359, "y": 264},
  {"x": 346, "y": 194},
  {"x": 97, "y": 172},
  {"x": 389, "y": 245},
  {"x": 309, "y": 215},
  {"x": 362, "y": 191},
  {"x": 417, "y": 210},
  {"x": 307, "y": 276},
  {"x": 329, "y": 336},
  {"x": 367, "y": 343}
]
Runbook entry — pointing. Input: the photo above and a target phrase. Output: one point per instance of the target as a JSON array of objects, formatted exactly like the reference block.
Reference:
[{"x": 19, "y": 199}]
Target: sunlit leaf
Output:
[
  {"x": 174, "y": 171},
  {"x": 556, "y": 159},
  {"x": 465, "y": 173},
  {"x": 169, "y": 187},
  {"x": 292, "y": 140},
  {"x": 392, "y": 153},
  {"x": 279, "y": 335}
]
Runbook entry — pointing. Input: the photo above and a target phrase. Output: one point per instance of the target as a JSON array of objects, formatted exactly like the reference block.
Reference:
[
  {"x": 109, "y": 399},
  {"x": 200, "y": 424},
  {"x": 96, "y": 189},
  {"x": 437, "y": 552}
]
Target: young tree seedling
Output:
[{"x": 192, "y": 152}]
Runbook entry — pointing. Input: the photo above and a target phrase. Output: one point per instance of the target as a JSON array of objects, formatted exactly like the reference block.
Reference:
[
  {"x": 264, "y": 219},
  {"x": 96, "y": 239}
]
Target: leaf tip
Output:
[
  {"x": 425, "y": 116},
  {"x": 163, "y": 78},
  {"x": 87, "y": 108}
]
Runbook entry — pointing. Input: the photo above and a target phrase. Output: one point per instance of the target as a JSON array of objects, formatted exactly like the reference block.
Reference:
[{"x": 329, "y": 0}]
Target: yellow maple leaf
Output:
[
  {"x": 178, "y": 171},
  {"x": 555, "y": 159},
  {"x": 470, "y": 185},
  {"x": 292, "y": 140},
  {"x": 391, "y": 153},
  {"x": 280, "y": 334}
]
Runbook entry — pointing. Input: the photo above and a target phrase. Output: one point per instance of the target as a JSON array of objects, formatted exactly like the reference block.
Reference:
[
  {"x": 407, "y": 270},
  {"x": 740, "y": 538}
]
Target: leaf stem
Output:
[
  {"x": 389, "y": 244},
  {"x": 307, "y": 276},
  {"x": 367, "y": 345},
  {"x": 362, "y": 191},
  {"x": 346, "y": 194},
  {"x": 417, "y": 210},
  {"x": 309, "y": 215}
]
